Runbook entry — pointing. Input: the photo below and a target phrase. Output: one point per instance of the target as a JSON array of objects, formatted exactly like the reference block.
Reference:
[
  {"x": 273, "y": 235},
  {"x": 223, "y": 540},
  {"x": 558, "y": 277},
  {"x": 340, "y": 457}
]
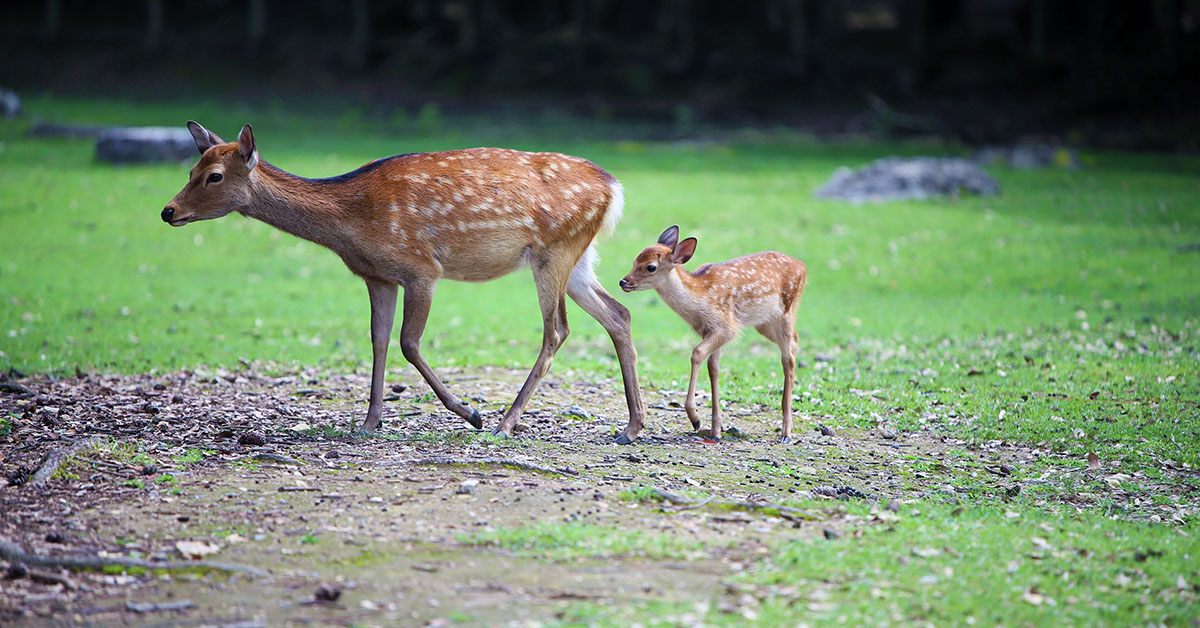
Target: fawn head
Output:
[
  {"x": 219, "y": 183},
  {"x": 656, "y": 261}
]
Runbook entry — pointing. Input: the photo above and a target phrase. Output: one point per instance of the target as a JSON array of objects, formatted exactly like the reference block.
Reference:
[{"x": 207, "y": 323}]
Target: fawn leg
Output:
[
  {"x": 699, "y": 355},
  {"x": 714, "y": 372}
]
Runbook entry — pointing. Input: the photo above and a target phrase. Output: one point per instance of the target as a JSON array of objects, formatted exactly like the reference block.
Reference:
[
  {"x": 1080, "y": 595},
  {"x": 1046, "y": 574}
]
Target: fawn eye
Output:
[
  {"x": 215, "y": 177},
  {"x": 651, "y": 268}
]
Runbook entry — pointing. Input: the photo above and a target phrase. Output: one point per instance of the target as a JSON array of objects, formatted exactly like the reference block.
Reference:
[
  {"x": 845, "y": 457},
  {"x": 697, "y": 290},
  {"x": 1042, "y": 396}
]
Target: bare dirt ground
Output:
[{"x": 261, "y": 471}]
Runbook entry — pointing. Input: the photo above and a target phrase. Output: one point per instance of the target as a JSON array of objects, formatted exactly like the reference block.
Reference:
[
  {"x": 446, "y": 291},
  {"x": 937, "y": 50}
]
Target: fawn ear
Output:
[
  {"x": 669, "y": 237},
  {"x": 204, "y": 138},
  {"x": 684, "y": 251},
  {"x": 246, "y": 147}
]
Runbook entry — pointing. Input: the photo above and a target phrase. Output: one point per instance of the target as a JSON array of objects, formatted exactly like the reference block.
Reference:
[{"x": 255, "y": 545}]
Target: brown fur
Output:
[
  {"x": 761, "y": 290},
  {"x": 410, "y": 220}
]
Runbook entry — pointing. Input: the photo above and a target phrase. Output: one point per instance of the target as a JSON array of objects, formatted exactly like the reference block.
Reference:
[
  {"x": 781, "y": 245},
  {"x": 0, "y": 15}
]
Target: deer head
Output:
[
  {"x": 219, "y": 183},
  {"x": 656, "y": 261}
]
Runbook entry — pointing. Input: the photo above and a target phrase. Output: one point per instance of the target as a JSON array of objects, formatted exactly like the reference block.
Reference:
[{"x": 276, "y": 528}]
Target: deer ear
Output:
[
  {"x": 205, "y": 139},
  {"x": 246, "y": 147},
  {"x": 684, "y": 251},
  {"x": 670, "y": 236}
]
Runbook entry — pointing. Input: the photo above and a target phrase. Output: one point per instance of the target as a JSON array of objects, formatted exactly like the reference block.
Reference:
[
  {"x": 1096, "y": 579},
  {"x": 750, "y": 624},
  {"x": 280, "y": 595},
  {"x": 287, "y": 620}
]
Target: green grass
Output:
[
  {"x": 572, "y": 541},
  {"x": 1065, "y": 286},
  {"x": 1058, "y": 314},
  {"x": 947, "y": 565},
  {"x": 193, "y": 455}
]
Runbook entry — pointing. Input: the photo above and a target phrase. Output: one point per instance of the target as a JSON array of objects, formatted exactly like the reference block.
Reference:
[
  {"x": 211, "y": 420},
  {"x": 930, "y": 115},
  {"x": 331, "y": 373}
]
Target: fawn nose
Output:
[
  {"x": 168, "y": 213},
  {"x": 623, "y": 282}
]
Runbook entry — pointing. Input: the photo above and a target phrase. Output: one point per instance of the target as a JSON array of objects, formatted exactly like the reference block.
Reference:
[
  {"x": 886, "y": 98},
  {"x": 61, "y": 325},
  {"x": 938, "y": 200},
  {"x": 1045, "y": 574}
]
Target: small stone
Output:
[
  {"x": 893, "y": 506},
  {"x": 825, "y": 430},
  {"x": 16, "y": 571},
  {"x": 253, "y": 439},
  {"x": 520, "y": 428},
  {"x": 830, "y": 534},
  {"x": 888, "y": 433},
  {"x": 327, "y": 593},
  {"x": 399, "y": 388},
  {"x": 579, "y": 413},
  {"x": 55, "y": 537},
  {"x": 467, "y": 487},
  {"x": 149, "y": 469},
  {"x": 176, "y": 399}
]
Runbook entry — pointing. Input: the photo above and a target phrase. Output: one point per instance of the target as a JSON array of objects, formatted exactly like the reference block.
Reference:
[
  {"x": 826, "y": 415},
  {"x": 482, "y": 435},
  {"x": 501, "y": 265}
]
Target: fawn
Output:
[
  {"x": 762, "y": 290},
  {"x": 410, "y": 220}
]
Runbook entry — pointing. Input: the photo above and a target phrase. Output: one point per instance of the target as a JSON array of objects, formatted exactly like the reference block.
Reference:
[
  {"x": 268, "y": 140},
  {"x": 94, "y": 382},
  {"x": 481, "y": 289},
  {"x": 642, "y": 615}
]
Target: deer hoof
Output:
[
  {"x": 499, "y": 433},
  {"x": 786, "y": 440},
  {"x": 623, "y": 439},
  {"x": 475, "y": 421}
]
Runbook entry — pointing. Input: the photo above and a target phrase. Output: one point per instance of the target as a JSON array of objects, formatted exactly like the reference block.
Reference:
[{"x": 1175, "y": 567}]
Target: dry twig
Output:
[{"x": 13, "y": 553}]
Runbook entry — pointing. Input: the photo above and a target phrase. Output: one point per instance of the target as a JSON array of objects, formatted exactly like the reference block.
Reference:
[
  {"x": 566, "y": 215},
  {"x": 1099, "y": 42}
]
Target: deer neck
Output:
[
  {"x": 302, "y": 207},
  {"x": 684, "y": 294}
]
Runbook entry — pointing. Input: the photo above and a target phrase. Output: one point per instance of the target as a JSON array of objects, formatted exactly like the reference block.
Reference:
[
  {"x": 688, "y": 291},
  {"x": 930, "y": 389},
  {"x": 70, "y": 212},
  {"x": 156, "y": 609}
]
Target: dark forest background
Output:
[{"x": 1108, "y": 73}]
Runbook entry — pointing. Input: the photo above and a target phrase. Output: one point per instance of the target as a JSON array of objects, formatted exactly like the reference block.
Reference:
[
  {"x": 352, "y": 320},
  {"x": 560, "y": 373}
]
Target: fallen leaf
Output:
[{"x": 1093, "y": 461}]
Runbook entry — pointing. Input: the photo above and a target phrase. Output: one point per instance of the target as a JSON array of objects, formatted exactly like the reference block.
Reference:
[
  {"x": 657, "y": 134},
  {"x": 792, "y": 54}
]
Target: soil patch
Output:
[{"x": 263, "y": 471}]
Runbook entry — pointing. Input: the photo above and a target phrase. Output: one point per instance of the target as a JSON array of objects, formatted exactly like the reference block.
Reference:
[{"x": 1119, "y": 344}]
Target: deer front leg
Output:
[
  {"x": 714, "y": 372},
  {"x": 383, "y": 311},
  {"x": 699, "y": 355},
  {"x": 788, "y": 349},
  {"x": 418, "y": 297}
]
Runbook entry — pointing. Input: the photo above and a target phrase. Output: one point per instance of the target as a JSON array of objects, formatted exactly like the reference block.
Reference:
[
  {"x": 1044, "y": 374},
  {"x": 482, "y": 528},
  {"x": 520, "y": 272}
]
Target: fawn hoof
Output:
[
  {"x": 499, "y": 433},
  {"x": 475, "y": 421},
  {"x": 623, "y": 439},
  {"x": 785, "y": 440}
]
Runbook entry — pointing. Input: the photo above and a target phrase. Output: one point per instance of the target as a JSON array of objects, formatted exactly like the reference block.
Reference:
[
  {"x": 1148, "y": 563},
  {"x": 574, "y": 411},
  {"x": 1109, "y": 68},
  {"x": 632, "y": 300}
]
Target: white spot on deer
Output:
[
  {"x": 442, "y": 164},
  {"x": 554, "y": 165},
  {"x": 568, "y": 194},
  {"x": 394, "y": 208},
  {"x": 458, "y": 198}
]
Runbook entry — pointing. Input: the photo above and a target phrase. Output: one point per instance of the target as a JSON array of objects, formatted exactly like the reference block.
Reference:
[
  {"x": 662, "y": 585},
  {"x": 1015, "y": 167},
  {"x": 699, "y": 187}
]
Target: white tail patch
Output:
[{"x": 612, "y": 213}]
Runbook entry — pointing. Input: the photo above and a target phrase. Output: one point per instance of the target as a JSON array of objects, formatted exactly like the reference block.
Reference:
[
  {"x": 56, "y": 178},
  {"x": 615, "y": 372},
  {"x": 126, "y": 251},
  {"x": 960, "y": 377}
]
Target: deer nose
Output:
[
  {"x": 168, "y": 213},
  {"x": 623, "y": 282}
]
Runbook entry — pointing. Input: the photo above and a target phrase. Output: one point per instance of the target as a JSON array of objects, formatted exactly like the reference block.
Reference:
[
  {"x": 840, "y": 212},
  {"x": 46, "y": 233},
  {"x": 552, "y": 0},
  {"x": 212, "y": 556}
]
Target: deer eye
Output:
[
  {"x": 215, "y": 177},
  {"x": 651, "y": 268}
]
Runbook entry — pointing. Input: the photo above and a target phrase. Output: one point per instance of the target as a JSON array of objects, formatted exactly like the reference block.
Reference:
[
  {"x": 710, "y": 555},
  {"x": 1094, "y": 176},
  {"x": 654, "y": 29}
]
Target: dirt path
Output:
[{"x": 260, "y": 471}]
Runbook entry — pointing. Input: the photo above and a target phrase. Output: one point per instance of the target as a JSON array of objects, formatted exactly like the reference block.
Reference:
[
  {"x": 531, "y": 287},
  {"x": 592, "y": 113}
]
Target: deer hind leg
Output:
[
  {"x": 418, "y": 297},
  {"x": 586, "y": 291},
  {"x": 550, "y": 275},
  {"x": 783, "y": 333}
]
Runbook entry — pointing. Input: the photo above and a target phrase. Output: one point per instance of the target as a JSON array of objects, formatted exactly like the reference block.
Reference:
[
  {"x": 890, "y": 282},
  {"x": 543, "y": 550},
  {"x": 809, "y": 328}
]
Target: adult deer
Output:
[
  {"x": 761, "y": 290},
  {"x": 410, "y": 220}
]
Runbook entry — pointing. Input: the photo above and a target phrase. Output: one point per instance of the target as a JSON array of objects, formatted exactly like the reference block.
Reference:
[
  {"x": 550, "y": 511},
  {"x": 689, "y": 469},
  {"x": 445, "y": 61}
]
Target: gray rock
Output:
[
  {"x": 10, "y": 103},
  {"x": 578, "y": 413},
  {"x": 54, "y": 129},
  {"x": 898, "y": 178},
  {"x": 144, "y": 144}
]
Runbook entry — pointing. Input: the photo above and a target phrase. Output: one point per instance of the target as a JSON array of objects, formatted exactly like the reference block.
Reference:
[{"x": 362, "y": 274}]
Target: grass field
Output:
[{"x": 1059, "y": 314}]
